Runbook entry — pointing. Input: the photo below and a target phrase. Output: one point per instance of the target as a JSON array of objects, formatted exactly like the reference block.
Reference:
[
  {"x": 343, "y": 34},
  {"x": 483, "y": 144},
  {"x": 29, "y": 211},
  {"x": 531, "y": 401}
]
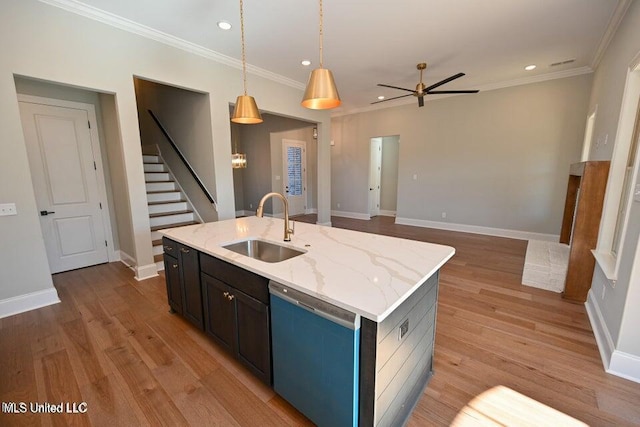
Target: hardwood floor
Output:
[{"x": 112, "y": 344}]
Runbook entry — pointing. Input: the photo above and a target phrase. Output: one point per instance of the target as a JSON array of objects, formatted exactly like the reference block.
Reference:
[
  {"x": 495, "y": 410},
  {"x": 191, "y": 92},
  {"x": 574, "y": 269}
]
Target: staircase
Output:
[{"x": 168, "y": 206}]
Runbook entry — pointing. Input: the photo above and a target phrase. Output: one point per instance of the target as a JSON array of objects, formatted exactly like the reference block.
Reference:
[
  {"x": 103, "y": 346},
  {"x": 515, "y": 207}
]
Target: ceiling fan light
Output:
[
  {"x": 321, "y": 92},
  {"x": 246, "y": 111}
]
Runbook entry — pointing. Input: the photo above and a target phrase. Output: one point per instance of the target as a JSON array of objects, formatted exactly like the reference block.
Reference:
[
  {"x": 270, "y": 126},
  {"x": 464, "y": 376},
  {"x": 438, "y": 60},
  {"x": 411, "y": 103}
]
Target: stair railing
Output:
[{"x": 184, "y": 160}]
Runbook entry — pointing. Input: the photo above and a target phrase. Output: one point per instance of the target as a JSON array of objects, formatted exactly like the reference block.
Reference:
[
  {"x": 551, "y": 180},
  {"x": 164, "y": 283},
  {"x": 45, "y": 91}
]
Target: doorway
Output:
[
  {"x": 383, "y": 175},
  {"x": 66, "y": 169},
  {"x": 294, "y": 162}
]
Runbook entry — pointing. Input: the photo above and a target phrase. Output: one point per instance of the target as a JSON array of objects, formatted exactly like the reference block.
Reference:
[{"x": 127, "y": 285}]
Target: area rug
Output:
[{"x": 545, "y": 265}]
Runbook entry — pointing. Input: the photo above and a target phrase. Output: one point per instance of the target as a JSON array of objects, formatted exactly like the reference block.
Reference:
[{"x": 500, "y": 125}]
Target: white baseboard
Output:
[
  {"x": 384, "y": 212},
  {"x": 600, "y": 330},
  {"x": 127, "y": 260},
  {"x": 146, "y": 272},
  {"x": 245, "y": 213},
  {"x": 326, "y": 224},
  {"x": 27, "y": 302},
  {"x": 625, "y": 365},
  {"x": 499, "y": 232},
  {"x": 615, "y": 362},
  {"x": 354, "y": 215}
]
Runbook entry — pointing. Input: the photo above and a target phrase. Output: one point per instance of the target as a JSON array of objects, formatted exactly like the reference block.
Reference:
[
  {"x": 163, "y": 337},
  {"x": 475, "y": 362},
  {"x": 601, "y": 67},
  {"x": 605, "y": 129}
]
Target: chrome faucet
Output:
[{"x": 259, "y": 213}]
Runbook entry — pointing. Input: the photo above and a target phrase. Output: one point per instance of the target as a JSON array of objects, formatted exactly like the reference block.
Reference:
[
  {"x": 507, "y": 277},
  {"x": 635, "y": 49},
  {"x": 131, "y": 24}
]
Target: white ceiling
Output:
[{"x": 380, "y": 41}]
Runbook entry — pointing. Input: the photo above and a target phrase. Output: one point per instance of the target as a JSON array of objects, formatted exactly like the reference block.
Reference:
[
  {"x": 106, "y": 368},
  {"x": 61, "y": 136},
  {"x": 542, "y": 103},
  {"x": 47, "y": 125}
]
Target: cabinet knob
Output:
[
  {"x": 226, "y": 294},
  {"x": 175, "y": 266},
  {"x": 184, "y": 250},
  {"x": 231, "y": 297},
  {"x": 168, "y": 248}
]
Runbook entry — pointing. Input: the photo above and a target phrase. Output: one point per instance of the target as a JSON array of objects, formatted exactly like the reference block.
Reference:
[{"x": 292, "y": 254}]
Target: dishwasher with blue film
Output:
[{"x": 316, "y": 349}]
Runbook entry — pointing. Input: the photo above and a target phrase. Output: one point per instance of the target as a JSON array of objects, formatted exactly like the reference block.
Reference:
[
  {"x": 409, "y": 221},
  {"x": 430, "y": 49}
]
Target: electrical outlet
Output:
[
  {"x": 7, "y": 209},
  {"x": 415, "y": 176},
  {"x": 250, "y": 205},
  {"x": 404, "y": 328},
  {"x": 444, "y": 215},
  {"x": 604, "y": 288},
  {"x": 338, "y": 205}
]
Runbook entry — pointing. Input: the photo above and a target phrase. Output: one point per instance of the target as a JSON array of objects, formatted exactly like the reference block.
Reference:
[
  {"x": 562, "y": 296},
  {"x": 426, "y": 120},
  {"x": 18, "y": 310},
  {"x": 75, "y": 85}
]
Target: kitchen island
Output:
[{"x": 390, "y": 283}]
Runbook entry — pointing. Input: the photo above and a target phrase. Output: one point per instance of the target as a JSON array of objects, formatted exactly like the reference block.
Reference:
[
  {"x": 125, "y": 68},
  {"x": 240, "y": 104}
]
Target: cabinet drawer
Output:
[
  {"x": 243, "y": 280},
  {"x": 170, "y": 247}
]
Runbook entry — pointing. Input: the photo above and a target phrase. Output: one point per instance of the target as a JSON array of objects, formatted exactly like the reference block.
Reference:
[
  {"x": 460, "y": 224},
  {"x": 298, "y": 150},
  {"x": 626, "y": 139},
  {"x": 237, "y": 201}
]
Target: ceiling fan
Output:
[{"x": 422, "y": 90}]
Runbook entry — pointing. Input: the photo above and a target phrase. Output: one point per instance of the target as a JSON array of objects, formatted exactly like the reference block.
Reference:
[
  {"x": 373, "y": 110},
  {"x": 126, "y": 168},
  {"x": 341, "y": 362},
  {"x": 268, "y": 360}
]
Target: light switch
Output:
[
  {"x": 7, "y": 209},
  {"x": 277, "y": 177},
  {"x": 415, "y": 176},
  {"x": 636, "y": 193}
]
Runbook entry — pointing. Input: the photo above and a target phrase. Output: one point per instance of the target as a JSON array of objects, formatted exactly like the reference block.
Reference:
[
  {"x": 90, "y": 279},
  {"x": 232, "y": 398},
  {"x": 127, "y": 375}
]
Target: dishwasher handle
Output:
[{"x": 316, "y": 306}]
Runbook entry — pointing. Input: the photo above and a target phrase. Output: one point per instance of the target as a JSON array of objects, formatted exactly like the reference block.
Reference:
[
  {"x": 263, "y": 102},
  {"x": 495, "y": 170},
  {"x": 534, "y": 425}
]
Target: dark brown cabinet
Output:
[
  {"x": 238, "y": 319},
  {"x": 174, "y": 289},
  {"x": 182, "y": 272}
]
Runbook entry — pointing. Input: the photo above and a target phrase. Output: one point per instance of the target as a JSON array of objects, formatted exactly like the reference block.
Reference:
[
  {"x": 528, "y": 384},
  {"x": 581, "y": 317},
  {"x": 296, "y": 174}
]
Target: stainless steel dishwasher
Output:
[{"x": 316, "y": 349}]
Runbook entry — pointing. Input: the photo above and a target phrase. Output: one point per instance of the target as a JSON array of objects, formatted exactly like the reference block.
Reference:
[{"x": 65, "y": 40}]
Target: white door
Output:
[
  {"x": 295, "y": 175},
  {"x": 375, "y": 171},
  {"x": 65, "y": 183}
]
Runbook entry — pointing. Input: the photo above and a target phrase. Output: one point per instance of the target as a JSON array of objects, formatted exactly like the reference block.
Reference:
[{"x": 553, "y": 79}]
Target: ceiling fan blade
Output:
[
  {"x": 438, "y": 92},
  {"x": 421, "y": 101},
  {"x": 396, "y": 87},
  {"x": 441, "y": 82},
  {"x": 395, "y": 97}
]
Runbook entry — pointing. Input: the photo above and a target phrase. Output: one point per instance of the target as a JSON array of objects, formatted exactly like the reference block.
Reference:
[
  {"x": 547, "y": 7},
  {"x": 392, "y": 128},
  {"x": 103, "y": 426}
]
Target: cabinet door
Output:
[
  {"x": 219, "y": 312},
  {"x": 191, "y": 293},
  {"x": 172, "y": 277},
  {"x": 253, "y": 335}
]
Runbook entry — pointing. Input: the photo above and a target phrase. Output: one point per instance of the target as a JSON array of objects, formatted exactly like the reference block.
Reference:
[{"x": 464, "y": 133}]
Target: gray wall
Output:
[
  {"x": 497, "y": 159},
  {"x": 306, "y": 135},
  {"x": 255, "y": 141},
  {"x": 389, "y": 174},
  {"x": 619, "y": 306},
  {"x": 186, "y": 117}
]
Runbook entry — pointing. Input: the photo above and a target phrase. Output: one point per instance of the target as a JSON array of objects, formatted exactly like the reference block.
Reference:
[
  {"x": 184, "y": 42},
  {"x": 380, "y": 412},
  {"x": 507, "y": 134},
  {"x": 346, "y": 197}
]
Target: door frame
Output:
[
  {"x": 375, "y": 143},
  {"x": 96, "y": 148},
  {"x": 304, "y": 171}
]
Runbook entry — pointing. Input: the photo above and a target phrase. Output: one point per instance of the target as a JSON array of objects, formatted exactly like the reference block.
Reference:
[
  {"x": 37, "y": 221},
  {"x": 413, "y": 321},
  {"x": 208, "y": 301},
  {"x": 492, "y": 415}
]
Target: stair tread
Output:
[
  {"x": 166, "y": 202},
  {"x": 178, "y": 224},
  {"x": 158, "y": 182},
  {"x": 158, "y": 258},
  {"x": 162, "y": 191},
  {"x": 161, "y": 214},
  {"x": 156, "y": 242}
]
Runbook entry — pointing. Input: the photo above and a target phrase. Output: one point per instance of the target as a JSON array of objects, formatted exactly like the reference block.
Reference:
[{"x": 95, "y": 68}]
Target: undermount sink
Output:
[{"x": 263, "y": 250}]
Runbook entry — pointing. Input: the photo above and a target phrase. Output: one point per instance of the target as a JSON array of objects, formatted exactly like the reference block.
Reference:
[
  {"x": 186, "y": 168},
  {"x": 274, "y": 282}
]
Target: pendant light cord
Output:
[
  {"x": 321, "y": 19},
  {"x": 244, "y": 62}
]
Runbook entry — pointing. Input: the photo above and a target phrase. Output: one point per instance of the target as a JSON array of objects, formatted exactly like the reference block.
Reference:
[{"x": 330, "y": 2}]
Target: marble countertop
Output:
[{"x": 367, "y": 274}]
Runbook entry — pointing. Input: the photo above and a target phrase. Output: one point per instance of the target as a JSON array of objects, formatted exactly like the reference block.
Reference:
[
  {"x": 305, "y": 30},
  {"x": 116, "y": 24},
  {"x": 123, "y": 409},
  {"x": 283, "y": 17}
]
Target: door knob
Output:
[{"x": 45, "y": 213}]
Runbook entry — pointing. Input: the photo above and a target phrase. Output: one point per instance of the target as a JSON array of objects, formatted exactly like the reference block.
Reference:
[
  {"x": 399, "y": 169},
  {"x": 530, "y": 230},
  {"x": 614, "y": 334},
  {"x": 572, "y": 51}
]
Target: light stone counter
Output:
[{"x": 367, "y": 274}]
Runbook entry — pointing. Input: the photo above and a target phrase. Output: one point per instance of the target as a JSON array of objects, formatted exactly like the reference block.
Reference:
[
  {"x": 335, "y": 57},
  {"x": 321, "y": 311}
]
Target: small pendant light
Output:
[
  {"x": 246, "y": 110},
  {"x": 238, "y": 160},
  {"x": 321, "y": 92}
]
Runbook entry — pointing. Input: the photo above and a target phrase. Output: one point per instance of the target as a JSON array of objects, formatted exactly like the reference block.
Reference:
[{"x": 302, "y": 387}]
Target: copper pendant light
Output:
[
  {"x": 246, "y": 110},
  {"x": 321, "y": 92}
]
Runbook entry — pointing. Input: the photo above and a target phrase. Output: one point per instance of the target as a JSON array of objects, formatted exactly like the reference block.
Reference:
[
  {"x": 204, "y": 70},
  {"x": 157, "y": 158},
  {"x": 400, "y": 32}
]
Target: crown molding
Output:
[
  {"x": 483, "y": 88},
  {"x": 121, "y": 23},
  {"x": 612, "y": 27}
]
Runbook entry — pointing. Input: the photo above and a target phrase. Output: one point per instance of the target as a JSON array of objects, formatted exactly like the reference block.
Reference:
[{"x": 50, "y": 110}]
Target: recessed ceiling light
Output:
[
  {"x": 224, "y": 25},
  {"x": 381, "y": 97},
  {"x": 530, "y": 67},
  {"x": 306, "y": 62}
]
